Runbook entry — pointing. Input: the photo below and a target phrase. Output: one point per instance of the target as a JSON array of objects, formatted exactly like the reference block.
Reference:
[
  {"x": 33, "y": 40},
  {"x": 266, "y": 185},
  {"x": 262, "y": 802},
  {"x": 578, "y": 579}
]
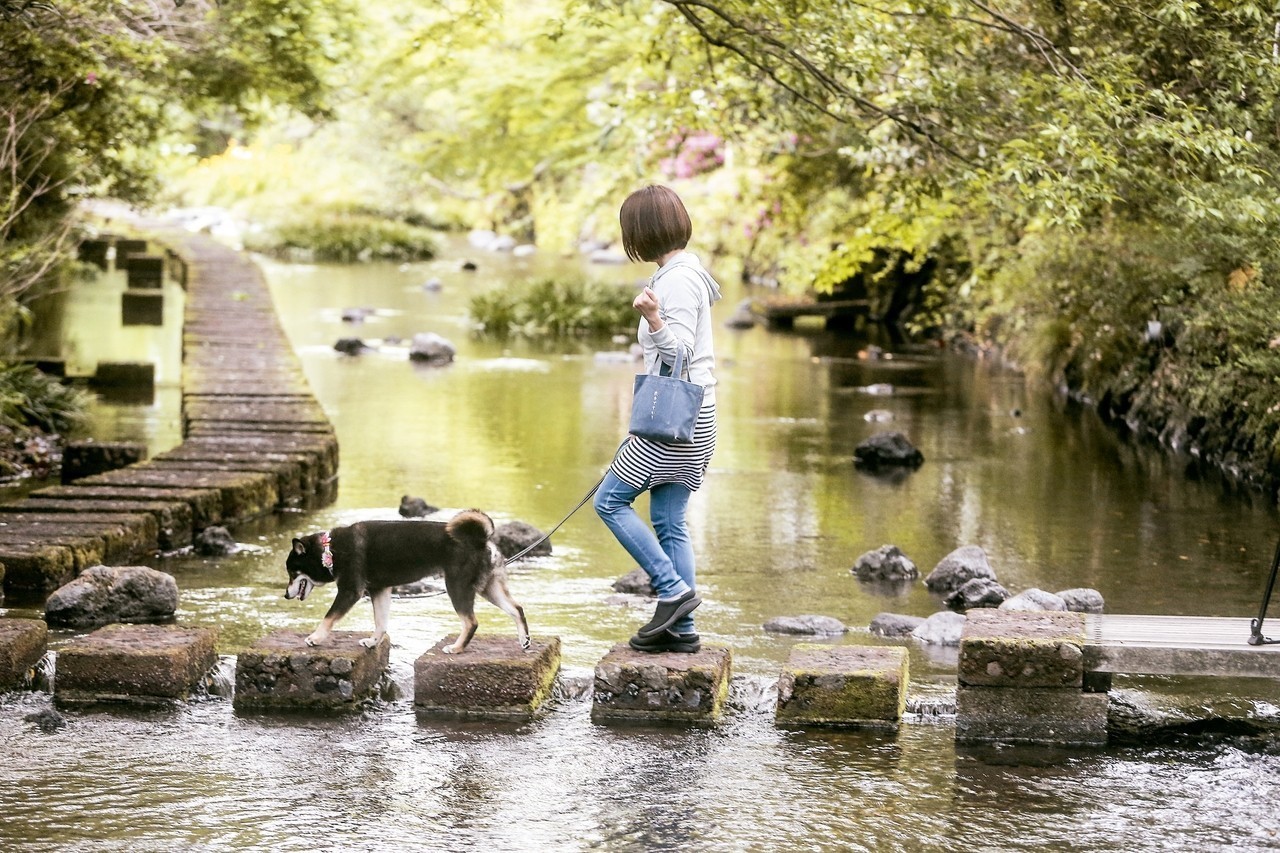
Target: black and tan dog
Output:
[{"x": 371, "y": 557}]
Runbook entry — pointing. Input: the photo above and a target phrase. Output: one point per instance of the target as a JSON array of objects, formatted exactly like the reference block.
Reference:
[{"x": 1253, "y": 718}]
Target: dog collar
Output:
[{"x": 326, "y": 555}]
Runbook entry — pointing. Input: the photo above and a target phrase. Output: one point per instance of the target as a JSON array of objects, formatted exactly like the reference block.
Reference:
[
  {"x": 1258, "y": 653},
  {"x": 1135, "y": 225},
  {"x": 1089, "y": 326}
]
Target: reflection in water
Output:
[{"x": 522, "y": 430}]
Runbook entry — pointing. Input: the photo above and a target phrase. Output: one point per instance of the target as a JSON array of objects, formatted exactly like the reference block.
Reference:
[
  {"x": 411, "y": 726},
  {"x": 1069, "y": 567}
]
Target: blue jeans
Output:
[{"x": 666, "y": 552}]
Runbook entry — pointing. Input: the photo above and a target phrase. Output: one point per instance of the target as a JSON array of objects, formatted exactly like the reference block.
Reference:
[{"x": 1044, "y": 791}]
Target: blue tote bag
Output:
[{"x": 665, "y": 408}]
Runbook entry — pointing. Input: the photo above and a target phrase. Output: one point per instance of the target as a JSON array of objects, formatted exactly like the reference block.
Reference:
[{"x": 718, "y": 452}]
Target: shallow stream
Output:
[{"x": 522, "y": 430}]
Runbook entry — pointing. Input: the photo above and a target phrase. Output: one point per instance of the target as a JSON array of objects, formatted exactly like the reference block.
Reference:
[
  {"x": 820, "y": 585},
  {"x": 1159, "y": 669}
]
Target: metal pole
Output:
[{"x": 1255, "y": 626}]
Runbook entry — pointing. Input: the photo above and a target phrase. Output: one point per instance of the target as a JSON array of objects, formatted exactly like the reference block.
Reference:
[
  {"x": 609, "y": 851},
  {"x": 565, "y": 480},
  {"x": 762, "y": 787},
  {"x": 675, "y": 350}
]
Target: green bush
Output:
[
  {"x": 29, "y": 398},
  {"x": 345, "y": 237},
  {"x": 555, "y": 309}
]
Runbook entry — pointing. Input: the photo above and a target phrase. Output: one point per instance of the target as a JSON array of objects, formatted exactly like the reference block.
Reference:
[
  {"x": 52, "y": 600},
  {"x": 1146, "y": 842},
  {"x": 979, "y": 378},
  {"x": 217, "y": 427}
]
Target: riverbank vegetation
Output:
[
  {"x": 1087, "y": 187},
  {"x": 554, "y": 309}
]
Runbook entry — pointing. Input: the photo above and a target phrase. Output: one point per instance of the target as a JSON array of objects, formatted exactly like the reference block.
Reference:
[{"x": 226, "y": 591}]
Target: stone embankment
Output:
[{"x": 255, "y": 439}]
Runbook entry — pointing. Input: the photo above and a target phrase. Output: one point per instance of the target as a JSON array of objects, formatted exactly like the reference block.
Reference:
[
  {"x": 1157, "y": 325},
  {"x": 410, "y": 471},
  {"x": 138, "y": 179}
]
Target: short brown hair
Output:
[{"x": 654, "y": 222}]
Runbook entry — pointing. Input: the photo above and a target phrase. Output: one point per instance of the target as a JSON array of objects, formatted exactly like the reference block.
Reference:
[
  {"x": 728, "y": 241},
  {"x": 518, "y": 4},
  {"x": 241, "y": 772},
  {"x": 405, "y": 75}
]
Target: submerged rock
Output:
[
  {"x": 958, "y": 568},
  {"x": 887, "y": 449},
  {"x": 512, "y": 537},
  {"x": 809, "y": 624},
  {"x": 1034, "y": 600},
  {"x": 978, "y": 592},
  {"x": 431, "y": 348},
  {"x": 634, "y": 582},
  {"x": 1082, "y": 600},
  {"x": 895, "y": 624},
  {"x": 47, "y": 720},
  {"x": 941, "y": 629},
  {"x": 885, "y": 563},
  {"x": 215, "y": 542},
  {"x": 102, "y": 595},
  {"x": 351, "y": 346},
  {"x": 412, "y": 507}
]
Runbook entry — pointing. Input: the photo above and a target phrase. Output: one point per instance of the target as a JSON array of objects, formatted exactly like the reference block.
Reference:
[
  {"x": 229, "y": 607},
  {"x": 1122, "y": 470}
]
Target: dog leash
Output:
[
  {"x": 581, "y": 503},
  {"x": 547, "y": 536}
]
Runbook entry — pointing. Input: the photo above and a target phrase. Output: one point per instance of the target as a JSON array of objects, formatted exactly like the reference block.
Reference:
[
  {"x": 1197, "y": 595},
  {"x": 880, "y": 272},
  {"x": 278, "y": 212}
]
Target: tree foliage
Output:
[{"x": 94, "y": 88}]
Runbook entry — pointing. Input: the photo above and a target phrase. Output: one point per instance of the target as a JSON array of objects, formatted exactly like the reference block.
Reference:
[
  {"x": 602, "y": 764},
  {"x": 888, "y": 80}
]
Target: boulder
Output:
[
  {"x": 411, "y": 507},
  {"x": 894, "y": 624},
  {"x": 350, "y": 346},
  {"x": 887, "y": 449},
  {"x": 634, "y": 582},
  {"x": 102, "y": 595},
  {"x": 941, "y": 629},
  {"x": 512, "y": 537},
  {"x": 810, "y": 624},
  {"x": 886, "y": 563},
  {"x": 1034, "y": 600},
  {"x": 1082, "y": 600},
  {"x": 742, "y": 317},
  {"x": 431, "y": 348},
  {"x": 958, "y": 568},
  {"x": 215, "y": 542},
  {"x": 356, "y": 315},
  {"x": 975, "y": 593}
]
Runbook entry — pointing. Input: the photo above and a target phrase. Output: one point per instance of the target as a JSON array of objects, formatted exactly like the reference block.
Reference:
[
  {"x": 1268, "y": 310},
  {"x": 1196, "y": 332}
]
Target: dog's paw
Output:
[
  {"x": 370, "y": 642},
  {"x": 313, "y": 640},
  {"x": 526, "y": 643}
]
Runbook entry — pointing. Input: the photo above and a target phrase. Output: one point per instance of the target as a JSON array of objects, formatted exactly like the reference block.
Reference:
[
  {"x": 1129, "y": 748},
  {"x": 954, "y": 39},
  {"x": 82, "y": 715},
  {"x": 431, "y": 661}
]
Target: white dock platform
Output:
[{"x": 1179, "y": 645}]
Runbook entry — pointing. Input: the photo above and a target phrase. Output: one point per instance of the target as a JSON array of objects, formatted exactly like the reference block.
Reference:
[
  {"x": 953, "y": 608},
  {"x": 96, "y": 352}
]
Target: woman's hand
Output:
[{"x": 646, "y": 302}]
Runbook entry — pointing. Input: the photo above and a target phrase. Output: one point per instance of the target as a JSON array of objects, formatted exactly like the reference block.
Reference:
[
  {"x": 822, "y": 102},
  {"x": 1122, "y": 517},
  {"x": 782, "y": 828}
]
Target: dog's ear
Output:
[{"x": 299, "y": 548}]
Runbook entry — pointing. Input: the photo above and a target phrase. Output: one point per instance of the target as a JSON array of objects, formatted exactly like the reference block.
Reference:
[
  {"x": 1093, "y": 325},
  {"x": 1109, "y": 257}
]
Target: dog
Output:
[{"x": 371, "y": 557}]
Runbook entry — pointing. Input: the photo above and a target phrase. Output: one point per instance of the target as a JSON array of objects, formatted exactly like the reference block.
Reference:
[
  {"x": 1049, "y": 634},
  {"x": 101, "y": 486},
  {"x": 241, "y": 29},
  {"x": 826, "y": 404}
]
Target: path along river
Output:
[{"x": 522, "y": 430}]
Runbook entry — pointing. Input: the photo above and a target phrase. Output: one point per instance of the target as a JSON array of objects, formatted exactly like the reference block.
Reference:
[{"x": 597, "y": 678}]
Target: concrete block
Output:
[
  {"x": 23, "y": 643},
  {"x": 86, "y": 458},
  {"x": 36, "y": 569},
  {"x": 492, "y": 679},
  {"x": 140, "y": 307},
  {"x": 145, "y": 272},
  {"x": 126, "y": 246},
  {"x": 1003, "y": 648},
  {"x": 135, "y": 664},
  {"x": 671, "y": 687},
  {"x": 173, "y": 518},
  {"x": 1051, "y": 716},
  {"x": 94, "y": 252},
  {"x": 131, "y": 374},
  {"x": 282, "y": 673},
  {"x": 848, "y": 686}
]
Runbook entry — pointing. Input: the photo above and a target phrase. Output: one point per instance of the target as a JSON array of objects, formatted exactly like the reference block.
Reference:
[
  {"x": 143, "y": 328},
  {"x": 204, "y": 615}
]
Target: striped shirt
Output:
[{"x": 643, "y": 464}]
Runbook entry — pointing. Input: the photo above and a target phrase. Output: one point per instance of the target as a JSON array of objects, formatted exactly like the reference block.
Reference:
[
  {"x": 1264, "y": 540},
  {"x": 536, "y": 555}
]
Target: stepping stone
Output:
[
  {"x": 1006, "y": 648},
  {"x": 23, "y": 643},
  {"x": 671, "y": 687},
  {"x": 1038, "y": 715},
  {"x": 139, "y": 307},
  {"x": 282, "y": 673},
  {"x": 86, "y": 458},
  {"x": 846, "y": 686},
  {"x": 135, "y": 664},
  {"x": 492, "y": 679}
]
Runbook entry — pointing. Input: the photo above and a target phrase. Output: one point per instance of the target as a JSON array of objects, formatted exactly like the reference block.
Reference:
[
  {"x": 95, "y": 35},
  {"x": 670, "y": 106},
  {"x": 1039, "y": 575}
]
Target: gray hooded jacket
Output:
[{"x": 685, "y": 292}]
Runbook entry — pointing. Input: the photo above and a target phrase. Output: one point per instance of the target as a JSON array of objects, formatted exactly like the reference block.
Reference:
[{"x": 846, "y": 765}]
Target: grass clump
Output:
[
  {"x": 29, "y": 398},
  {"x": 555, "y": 309},
  {"x": 346, "y": 237}
]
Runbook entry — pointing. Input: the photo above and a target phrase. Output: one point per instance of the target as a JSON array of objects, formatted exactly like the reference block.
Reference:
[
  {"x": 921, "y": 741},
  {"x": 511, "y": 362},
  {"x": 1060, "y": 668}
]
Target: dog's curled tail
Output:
[{"x": 471, "y": 527}]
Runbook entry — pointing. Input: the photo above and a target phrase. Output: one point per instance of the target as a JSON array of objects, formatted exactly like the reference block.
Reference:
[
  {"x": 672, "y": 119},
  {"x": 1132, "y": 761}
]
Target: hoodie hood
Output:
[{"x": 690, "y": 260}]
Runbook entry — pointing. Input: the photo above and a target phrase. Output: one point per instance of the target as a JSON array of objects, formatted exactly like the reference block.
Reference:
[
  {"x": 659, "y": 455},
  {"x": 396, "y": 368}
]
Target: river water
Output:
[{"x": 522, "y": 430}]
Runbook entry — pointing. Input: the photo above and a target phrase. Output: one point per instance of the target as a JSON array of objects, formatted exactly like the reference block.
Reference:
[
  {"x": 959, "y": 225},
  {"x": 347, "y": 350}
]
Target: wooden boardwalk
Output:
[
  {"x": 1177, "y": 645},
  {"x": 255, "y": 438}
]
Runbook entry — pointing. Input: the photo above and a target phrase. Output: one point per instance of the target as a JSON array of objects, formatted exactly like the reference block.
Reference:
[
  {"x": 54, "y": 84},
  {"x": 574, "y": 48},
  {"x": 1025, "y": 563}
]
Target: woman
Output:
[{"x": 675, "y": 311}]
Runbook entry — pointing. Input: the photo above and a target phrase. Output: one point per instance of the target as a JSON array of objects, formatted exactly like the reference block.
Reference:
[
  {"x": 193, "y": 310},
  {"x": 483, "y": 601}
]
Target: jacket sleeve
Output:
[{"x": 678, "y": 296}]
